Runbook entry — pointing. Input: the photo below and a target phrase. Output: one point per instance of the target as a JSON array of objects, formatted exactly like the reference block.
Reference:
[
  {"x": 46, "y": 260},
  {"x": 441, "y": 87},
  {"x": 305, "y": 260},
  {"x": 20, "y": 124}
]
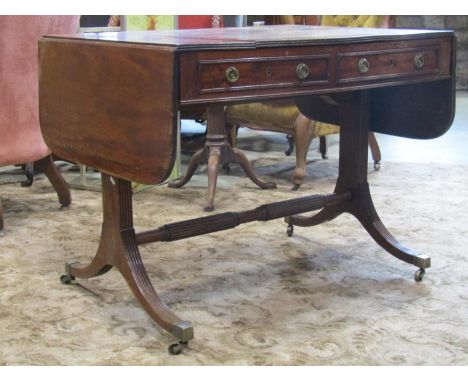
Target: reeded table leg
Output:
[
  {"x": 118, "y": 248},
  {"x": 352, "y": 177}
]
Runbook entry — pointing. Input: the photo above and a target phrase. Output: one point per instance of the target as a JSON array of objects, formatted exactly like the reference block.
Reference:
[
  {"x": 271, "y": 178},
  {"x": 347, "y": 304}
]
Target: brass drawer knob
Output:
[
  {"x": 363, "y": 66},
  {"x": 232, "y": 74},
  {"x": 302, "y": 71},
  {"x": 418, "y": 61}
]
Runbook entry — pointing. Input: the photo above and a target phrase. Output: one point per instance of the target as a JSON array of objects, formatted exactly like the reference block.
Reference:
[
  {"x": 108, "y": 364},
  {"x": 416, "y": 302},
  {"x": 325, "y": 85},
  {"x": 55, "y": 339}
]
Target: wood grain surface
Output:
[{"x": 111, "y": 107}]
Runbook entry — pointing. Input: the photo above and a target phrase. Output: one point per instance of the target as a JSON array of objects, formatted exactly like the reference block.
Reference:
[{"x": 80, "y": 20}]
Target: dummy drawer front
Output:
[{"x": 375, "y": 65}]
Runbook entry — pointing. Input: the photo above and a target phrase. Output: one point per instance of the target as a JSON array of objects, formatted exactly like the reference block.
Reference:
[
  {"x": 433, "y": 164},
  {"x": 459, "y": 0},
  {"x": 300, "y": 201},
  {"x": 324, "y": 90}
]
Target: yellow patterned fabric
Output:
[
  {"x": 352, "y": 21},
  {"x": 271, "y": 116}
]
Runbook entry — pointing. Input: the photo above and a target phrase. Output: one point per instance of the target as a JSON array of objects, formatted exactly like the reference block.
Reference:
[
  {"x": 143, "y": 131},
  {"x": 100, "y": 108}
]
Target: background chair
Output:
[
  {"x": 285, "y": 117},
  {"x": 21, "y": 139}
]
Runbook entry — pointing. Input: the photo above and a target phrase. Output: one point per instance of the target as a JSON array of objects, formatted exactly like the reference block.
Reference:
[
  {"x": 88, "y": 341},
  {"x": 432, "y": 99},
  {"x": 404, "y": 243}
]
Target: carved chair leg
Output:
[
  {"x": 48, "y": 167},
  {"x": 118, "y": 247},
  {"x": 303, "y": 134}
]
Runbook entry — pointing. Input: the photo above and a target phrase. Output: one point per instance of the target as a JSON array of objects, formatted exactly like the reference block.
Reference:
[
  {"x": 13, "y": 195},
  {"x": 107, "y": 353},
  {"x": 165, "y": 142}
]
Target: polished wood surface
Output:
[
  {"x": 332, "y": 67},
  {"x": 127, "y": 123},
  {"x": 110, "y": 107},
  {"x": 105, "y": 113},
  {"x": 253, "y": 37}
]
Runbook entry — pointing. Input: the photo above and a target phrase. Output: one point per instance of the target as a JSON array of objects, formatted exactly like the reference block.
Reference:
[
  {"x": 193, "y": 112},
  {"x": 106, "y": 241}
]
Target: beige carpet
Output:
[{"x": 327, "y": 296}]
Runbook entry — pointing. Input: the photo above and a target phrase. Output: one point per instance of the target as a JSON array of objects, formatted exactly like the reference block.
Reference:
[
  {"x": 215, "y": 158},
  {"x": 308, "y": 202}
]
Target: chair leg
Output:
[
  {"x": 290, "y": 149},
  {"x": 303, "y": 134},
  {"x": 232, "y": 131},
  {"x": 373, "y": 145},
  {"x": 323, "y": 147},
  {"x": 48, "y": 167},
  {"x": 375, "y": 150},
  {"x": 29, "y": 170}
]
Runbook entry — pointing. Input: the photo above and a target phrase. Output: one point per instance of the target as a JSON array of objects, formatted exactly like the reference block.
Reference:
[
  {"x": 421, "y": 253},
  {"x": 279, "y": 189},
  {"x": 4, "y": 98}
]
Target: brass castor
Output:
[
  {"x": 290, "y": 230},
  {"x": 376, "y": 165},
  {"x": 419, "y": 275},
  {"x": 66, "y": 279},
  {"x": 177, "y": 347}
]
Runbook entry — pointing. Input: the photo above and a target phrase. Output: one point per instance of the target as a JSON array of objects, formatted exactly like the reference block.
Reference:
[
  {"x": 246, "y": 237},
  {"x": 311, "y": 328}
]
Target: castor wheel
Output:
[
  {"x": 376, "y": 165},
  {"x": 419, "y": 275},
  {"x": 290, "y": 230},
  {"x": 177, "y": 347},
  {"x": 66, "y": 279}
]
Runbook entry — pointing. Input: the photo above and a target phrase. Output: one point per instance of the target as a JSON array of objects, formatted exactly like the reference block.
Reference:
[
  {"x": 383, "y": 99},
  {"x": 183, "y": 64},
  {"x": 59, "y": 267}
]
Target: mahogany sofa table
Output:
[{"x": 111, "y": 102}]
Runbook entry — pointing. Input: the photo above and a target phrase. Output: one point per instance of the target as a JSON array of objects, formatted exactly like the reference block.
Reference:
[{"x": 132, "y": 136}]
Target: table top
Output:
[
  {"x": 255, "y": 37},
  {"x": 111, "y": 101}
]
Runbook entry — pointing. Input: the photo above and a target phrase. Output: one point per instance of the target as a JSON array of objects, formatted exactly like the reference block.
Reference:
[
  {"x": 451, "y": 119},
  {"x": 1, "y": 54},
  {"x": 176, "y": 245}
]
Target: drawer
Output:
[
  {"x": 375, "y": 65},
  {"x": 250, "y": 73}
]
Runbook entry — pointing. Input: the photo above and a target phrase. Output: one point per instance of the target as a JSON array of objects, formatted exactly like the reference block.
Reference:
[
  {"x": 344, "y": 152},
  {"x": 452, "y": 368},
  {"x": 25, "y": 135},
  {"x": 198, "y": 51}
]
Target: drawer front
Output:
[
  {"x": 253, "y": 74},
  {"x": 362, "y": 66},
  {"x": 261, "y": 73}
]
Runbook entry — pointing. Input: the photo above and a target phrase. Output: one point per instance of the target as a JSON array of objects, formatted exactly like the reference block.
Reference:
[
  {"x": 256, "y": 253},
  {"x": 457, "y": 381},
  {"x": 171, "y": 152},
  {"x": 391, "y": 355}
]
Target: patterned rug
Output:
[{"x": 326, "y": 296}]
